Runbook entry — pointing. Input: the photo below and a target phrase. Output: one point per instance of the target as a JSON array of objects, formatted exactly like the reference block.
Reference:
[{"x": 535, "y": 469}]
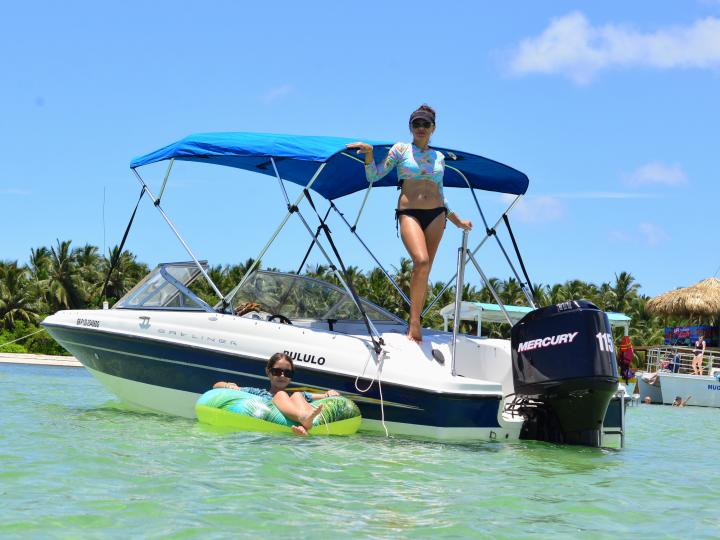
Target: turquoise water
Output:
[{"x": 74, "y": 463}]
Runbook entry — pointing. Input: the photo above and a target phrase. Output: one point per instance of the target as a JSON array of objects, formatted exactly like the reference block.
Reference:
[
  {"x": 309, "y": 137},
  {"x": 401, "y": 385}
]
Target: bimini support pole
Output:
[
  {"x": 382, "y": 269},
  {"x": 458, "y": 295},
  {"x": 156, "y": 202},
  {"x": 353, "y": 228},
  {"x": 493, "y": 232},
  {"x": 291, "y": 209},
  {"x": 490, "y": 287},
  {"x": 167, "y": 175},
  {"x": 287, "y": 200},
  {"x": 447, "y": 284},
  {"x": 367, "y": 194},
  {"x": 339, "y": 275},
  {"x": 344, "y": 278}
]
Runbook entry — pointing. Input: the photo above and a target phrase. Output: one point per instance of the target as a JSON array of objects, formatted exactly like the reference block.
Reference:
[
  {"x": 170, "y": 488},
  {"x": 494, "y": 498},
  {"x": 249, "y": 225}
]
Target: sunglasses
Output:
[
  {"x": 421, "y": 124},
  {"x": 277, "y": 372}
]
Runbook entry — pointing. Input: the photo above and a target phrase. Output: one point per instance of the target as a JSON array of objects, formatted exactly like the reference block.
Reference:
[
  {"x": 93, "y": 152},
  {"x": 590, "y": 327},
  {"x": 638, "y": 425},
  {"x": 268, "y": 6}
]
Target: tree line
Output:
[{"x": 62, "y": 277}]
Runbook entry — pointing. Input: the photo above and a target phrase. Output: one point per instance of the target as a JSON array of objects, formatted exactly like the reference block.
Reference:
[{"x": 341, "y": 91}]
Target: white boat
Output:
[
  {"x": 663, "y": 381},
  {"x": 161, "y": 346}
]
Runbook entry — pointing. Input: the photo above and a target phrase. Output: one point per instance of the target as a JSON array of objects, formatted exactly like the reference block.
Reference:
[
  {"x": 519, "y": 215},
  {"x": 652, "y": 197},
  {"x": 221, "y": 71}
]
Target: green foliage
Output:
[
  {"x": 38, "y": 343},
  {"x": 62, "y": 277},
  {"x": 11, "y": 348}
]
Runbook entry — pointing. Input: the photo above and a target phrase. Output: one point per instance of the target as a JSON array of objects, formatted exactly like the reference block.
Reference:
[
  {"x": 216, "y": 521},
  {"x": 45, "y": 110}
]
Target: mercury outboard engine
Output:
[{"x": 564, "y": 372}]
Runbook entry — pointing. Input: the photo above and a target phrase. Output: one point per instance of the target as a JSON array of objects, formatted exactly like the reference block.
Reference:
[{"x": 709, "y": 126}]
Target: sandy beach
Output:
[{"x": 39, "y": 359}]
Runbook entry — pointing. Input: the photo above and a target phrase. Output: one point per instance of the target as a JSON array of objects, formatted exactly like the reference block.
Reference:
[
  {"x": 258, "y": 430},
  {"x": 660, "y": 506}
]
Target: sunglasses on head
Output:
[
  {"x": 421, "y": 124},
  {"x": 276, "y": 371}
]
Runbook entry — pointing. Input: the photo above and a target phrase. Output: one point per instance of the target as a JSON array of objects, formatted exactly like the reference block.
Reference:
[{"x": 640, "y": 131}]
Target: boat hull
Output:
[
  {"x": 167, "y": 377},
  {"x": 645, "y": 389},
  {"x": 705, "y": 390}
]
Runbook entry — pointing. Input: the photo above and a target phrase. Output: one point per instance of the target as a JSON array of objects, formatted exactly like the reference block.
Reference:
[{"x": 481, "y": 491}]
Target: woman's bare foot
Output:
[
  {"x": 415, "y": 331},
  {"x": 307, "y": 420},
  {"x": 300, "y": 431}
]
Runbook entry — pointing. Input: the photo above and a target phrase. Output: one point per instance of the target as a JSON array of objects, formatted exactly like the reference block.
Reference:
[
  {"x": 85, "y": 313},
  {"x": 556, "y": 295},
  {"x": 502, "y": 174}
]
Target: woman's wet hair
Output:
[
  {"x": 275, "y": 358},
  {"x": 425, "y": 112}
]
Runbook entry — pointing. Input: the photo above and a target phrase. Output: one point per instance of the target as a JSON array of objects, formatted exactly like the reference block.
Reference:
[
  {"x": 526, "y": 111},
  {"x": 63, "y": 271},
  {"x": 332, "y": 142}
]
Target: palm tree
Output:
[
  {"x": 403, "y": 274},
  {"x": 357, "y": 278},
  {"x": 511, "y": 293},
  {"x": 15, "y": 301},
  {"x": 236, "y": 272},
  {"x": 606, "y": 297},
  {"x": 541, "y": 293},
  {"x": 64, "y": 282},
  {"x": 126, "y": 273},
  {"x": 38, "y": 274},
  {"x": 39, "y": 263},
  {"x": 625, "y": 290},
  {"x": 89, "y": 268}
]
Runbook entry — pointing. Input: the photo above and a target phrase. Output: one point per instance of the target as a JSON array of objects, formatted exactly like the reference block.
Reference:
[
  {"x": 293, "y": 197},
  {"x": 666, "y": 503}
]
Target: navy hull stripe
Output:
[{"x": 196, "y": 370}]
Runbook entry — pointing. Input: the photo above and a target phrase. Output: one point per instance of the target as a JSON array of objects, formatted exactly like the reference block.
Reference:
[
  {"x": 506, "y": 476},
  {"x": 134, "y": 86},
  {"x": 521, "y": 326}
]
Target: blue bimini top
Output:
[{"x": 298, "y": 157}]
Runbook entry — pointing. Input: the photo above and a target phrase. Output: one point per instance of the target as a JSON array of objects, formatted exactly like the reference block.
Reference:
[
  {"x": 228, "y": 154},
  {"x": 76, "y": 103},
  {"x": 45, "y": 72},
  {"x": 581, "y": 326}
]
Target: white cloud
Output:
[
  {"x": 572, "y": 47},
  {"x": 657, "y": 173},
  {"x": 273, "y": 94},
  {"x": 653, "y": 234},
  {"x": 537, "y": 209}
]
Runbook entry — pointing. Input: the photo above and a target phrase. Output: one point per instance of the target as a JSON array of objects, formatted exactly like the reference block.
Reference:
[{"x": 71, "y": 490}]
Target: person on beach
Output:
[
  {"x": 422, "y": 209},
  {"x": 697, "y": 366},
  {"x": 294, "y": 405}
]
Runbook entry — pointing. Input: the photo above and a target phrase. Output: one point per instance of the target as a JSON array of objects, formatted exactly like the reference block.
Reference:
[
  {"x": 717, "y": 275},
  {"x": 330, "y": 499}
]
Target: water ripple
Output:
[{"x": 77, "y": 463}]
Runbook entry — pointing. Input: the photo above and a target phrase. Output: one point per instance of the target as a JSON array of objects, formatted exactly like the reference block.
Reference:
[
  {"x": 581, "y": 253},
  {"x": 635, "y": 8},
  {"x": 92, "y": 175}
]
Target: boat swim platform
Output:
[{"x": 39, "y": 359}]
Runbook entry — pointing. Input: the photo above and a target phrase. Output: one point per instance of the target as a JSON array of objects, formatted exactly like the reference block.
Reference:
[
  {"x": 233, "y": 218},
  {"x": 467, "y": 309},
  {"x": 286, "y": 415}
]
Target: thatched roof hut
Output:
[{"x": 701, "y": 300}]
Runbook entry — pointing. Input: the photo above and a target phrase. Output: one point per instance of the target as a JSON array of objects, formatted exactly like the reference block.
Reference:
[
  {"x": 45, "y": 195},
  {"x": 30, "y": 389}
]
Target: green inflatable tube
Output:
[{"x": 236, "y": 410}]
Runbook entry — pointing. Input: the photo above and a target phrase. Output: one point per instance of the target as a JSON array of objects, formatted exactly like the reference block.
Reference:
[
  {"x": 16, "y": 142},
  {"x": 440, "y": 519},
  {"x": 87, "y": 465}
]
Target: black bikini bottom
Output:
[{"x": 424, "y": 216}]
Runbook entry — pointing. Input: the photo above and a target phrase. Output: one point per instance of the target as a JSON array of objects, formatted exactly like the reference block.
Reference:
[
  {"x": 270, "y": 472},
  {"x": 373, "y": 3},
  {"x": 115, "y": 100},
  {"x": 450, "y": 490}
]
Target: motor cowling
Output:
[{"x": 564, "y": 372}]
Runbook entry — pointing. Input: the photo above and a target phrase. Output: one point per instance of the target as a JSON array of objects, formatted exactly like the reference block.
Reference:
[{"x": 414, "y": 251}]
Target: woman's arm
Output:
[
  {"x": 464, "y": 224},
  {"x": 375, "y": 172}
]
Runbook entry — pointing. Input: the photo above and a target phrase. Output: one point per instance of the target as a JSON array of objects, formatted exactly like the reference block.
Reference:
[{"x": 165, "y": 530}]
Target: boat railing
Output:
[{"x": 679, "y": 359}]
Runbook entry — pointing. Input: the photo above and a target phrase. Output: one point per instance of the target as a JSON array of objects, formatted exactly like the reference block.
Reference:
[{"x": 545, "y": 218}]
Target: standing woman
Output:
[
  {"x": 698, "y": 352},
  {"x": 422, "y": 208}
]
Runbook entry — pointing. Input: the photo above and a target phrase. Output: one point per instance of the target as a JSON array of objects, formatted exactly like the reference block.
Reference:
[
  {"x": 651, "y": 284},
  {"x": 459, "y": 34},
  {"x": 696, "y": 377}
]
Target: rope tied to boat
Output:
[{"x": 376, "y": 377}]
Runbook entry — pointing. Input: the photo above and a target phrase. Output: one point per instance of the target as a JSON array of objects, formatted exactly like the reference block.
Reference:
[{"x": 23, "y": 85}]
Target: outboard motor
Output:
[{"x": 564, "y": 371}]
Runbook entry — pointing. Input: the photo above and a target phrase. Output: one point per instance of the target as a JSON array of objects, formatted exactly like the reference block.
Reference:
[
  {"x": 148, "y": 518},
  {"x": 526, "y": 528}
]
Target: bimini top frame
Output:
[{"x": 323, "y": 165}]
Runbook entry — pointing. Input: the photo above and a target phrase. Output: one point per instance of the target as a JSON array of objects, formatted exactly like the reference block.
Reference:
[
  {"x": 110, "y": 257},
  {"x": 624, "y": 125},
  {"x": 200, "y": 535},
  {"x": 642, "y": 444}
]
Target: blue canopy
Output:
[{"x": 298, "y": 156}]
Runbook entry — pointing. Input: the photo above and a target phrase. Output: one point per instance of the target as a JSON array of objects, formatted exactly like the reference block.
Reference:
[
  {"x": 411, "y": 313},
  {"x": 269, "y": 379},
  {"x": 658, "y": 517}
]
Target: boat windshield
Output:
[
  {"x": 166, "y": 287},
  {"x": 301, "y": 297}
]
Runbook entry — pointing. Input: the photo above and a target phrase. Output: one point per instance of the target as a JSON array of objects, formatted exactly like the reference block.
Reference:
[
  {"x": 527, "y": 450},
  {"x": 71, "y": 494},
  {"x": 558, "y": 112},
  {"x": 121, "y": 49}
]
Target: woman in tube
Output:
[
  {"x": 293, "y": 405},
  {"x": 422, "y": 209}
]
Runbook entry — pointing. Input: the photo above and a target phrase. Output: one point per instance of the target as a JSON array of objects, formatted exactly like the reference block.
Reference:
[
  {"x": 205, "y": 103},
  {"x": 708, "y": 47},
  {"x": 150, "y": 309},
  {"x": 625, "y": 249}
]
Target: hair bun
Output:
[{"x": 425, "y": 112}]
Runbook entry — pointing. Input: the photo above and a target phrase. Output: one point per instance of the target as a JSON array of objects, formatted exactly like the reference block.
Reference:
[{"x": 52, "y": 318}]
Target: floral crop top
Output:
[{"x": 412, "y": 164}]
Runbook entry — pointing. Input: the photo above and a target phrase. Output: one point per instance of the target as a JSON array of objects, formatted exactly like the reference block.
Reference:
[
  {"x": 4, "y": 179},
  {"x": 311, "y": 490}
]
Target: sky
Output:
[{"x": 610, "y": 108}]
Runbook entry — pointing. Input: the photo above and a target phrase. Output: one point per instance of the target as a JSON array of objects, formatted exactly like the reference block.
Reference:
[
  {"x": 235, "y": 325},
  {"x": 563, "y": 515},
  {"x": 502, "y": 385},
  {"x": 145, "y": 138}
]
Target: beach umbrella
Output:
[{"x": 695, "y": 301}]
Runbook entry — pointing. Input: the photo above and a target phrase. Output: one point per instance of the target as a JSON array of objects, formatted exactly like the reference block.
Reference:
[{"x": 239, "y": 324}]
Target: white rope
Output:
[
  {"x": 21, "y": 338},
  {"x": 378, "y": 371}
]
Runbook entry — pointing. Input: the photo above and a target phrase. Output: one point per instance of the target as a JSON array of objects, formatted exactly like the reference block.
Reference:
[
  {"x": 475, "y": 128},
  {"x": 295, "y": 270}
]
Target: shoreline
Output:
[{"x": 38, "y": 359}]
